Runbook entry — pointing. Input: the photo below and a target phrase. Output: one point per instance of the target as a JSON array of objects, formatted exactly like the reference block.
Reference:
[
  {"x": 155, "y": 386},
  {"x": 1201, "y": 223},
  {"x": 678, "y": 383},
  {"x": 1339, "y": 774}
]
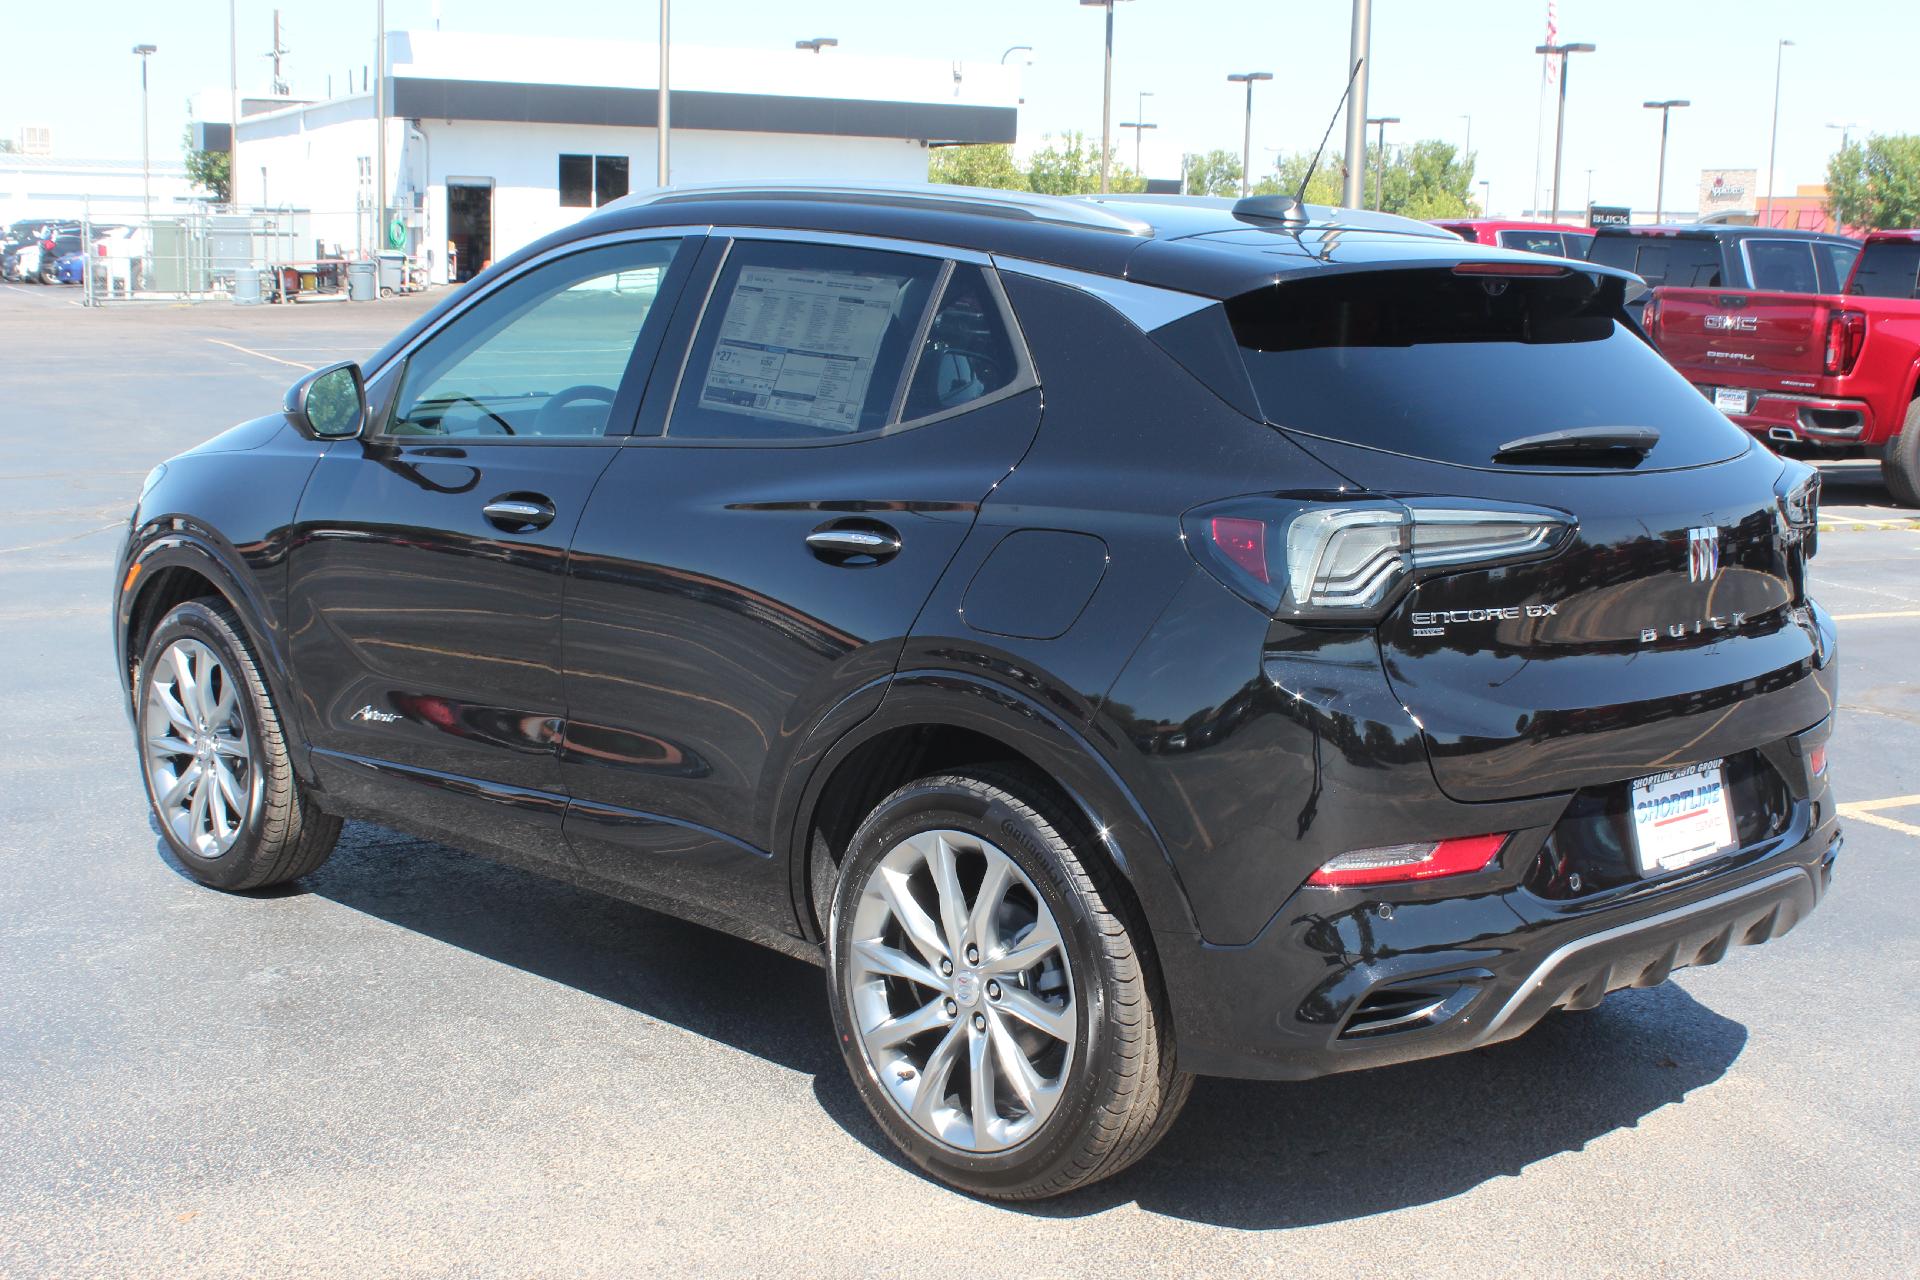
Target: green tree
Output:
[
  {"x": 1876, "y": 185},
  {"x": 1213, "y": 173},
  {"x": 1426, "y": 180},
  {"x": 1289, "y": 170},
  {"x": 989, "y": 165},
  {"x": 1070, "y": 166},
  {"x": 209, "y": 170}
]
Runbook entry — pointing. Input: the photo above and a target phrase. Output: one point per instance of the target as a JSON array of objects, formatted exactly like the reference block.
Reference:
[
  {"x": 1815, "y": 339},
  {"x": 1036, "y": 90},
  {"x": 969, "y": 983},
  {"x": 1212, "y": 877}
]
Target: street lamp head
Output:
[
  {"x": 144, "y": 49},
  {"x": 1383, "y": 119},
  {"x": 1134, "y": 124},
  {"x": 1018, "y": 48},
  {"x": 1786, "y": 44},
  {"x": 1247, "y": 77},
  {"x": 1564, "y": 48},
  {"x": 817, "y": 43},
  {"x": 1670, "y": 102}
]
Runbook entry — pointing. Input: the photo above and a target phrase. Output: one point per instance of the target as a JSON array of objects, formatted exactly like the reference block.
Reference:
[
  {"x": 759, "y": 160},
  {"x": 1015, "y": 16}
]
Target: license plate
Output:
[
  {"x": 1729, "y": 400},
  {"x": 1680, "y": 818}
]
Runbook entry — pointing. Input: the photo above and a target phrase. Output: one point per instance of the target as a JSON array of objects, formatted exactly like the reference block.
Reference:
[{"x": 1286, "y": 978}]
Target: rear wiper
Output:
[{"x": 1581, "y": 440}]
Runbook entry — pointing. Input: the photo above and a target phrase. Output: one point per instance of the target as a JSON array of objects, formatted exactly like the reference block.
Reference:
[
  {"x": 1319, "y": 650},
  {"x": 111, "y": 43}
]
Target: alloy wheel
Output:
[
  {"x": 961, "y": 991},
  {"x": 199, "y": 756}
]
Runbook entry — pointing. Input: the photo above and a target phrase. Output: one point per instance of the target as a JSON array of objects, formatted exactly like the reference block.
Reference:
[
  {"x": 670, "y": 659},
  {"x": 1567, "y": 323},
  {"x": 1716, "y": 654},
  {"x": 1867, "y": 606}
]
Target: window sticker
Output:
[{"x": 800, "y": 345}]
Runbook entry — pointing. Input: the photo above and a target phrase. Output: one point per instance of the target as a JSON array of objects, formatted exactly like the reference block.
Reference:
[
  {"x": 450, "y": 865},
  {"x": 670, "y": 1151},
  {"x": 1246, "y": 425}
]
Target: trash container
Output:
[
  {"x": 362, "y": 283},
  {"x": 246, "y": 286},
  {"x": 393, "y": 272}
]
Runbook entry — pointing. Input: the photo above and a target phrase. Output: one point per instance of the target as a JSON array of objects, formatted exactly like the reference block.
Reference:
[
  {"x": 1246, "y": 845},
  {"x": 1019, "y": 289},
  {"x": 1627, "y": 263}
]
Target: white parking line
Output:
[
  {"x": 1890, "y": 613},
  {"x": 261, "y": 354}
]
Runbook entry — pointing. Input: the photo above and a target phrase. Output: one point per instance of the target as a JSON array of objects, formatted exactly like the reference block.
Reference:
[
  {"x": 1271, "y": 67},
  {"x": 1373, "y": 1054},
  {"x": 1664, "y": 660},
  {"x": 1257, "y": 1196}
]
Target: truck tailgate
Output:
[{"x": 1718, "y": 335}]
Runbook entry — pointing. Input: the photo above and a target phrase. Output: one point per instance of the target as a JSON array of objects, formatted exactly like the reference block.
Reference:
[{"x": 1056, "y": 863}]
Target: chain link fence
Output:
[{"x": 245, "y": 256}]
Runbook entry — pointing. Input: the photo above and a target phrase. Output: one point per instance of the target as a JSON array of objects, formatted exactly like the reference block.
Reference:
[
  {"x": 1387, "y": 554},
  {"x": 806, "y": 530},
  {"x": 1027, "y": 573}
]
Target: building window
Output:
[
  {"x": 609, "y": 178},
  {"x": 586, "y": 181},
  {"x": 576, "y": 182}
]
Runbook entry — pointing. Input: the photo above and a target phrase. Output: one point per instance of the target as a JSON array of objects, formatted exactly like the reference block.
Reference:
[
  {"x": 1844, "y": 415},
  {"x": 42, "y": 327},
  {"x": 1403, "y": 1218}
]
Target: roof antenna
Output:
[{"x": 1300, "y": 196}]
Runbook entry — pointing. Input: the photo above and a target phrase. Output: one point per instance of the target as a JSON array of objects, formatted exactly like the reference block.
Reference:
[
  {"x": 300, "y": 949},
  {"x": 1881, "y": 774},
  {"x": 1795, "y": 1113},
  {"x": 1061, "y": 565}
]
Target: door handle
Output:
[
  {"x": 843, "y": 544},
  {"x": 519, "y": 515}
]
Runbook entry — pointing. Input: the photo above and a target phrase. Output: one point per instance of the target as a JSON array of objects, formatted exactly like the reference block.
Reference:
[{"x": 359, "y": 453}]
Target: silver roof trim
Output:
[
  {"x": 1149, "y": 307},
  {"x": 1020, "y": 205}
]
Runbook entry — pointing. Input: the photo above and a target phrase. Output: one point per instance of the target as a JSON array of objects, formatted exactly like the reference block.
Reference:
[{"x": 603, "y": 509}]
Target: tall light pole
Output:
[
  {"x": 1486, "y": 200},
  {"x": 233, "y": 102},
  {"x": 1773, "y": 142},
  {"x": 666, "y": 94},
  {"x": 1106, "y": 97},
  {"x": 1468, "y": 149},
  {"x": 1380, "y": 180},
  {"x": 380, "y": 124},
  {"x": 143, "y": 52},
  {"x": 1246, "y": 139},
  {"x": 1560, "y": 117},
  {"x": 1665, "y": 109},
  {"x": 1353, "y": 189}
]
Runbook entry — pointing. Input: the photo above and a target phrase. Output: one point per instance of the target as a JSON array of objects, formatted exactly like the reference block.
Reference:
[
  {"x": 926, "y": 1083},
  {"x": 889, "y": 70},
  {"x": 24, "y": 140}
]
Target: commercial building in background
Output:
[
  {"x": 59, "y": 188},
  {"x": 1727, "y": 193},
  {"x": 492, "y": 141}
]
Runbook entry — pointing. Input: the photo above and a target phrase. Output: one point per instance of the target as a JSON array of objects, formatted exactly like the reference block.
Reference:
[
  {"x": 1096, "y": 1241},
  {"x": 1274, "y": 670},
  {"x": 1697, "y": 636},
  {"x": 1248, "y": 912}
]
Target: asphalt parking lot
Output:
[{"x": 415, "y": 1062}]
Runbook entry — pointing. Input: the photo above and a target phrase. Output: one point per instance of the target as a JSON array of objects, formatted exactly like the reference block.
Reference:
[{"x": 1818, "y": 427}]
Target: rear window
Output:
[
  {"x": 1888, "y": 269},
  {"x": 1548, "y": 242},
  {"x": 1687, "y": 261},
  {"x": 1451, "y": 368}
]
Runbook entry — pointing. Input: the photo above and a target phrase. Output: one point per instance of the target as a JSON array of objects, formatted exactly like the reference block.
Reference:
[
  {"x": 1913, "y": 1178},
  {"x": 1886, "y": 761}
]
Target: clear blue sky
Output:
[{"x": 1434, "y": 62}]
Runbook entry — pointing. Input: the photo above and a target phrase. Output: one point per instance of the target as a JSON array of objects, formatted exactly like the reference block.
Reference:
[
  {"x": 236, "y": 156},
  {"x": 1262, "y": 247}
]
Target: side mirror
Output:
[{"x": 329, "y": 403}]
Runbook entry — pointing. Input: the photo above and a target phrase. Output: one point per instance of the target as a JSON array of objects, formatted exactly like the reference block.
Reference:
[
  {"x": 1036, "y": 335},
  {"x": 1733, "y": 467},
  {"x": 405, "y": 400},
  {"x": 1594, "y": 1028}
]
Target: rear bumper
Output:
[
  {"x": 1791, "y": 417},
  {"x": 1345, "y": 981}
]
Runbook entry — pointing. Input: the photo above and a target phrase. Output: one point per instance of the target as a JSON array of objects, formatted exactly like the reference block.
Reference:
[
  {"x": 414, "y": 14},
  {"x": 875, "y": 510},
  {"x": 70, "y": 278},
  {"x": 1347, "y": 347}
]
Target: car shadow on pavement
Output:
[{"x": 1244, "y": 1154}]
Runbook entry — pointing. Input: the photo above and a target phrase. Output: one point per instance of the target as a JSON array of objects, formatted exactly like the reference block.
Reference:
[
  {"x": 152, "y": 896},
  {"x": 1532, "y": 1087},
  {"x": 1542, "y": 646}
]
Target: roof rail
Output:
[{"x": 1024, "y": 206}]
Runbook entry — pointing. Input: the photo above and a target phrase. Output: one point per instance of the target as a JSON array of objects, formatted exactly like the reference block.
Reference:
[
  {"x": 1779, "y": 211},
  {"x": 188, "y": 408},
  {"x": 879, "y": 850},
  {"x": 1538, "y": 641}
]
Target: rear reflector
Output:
[
  {"x": 1244, "y": 542},
  {"x": 1817, "y": 760},
  {"x": 1403, "y": 862}
]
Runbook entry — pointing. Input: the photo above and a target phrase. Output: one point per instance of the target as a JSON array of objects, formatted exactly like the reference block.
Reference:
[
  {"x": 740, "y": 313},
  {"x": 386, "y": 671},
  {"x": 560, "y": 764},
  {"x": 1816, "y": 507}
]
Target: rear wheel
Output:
[
  {"x": 996, "y": 1000},
  {"x": 215, "y": 759},
  {"x": 1900, "y": 465}
]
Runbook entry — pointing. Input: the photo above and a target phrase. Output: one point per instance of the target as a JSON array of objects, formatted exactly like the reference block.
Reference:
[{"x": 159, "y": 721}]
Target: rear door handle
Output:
[
  {"x": 521, "y": 514},
  {"x": 847, "y": 545}
]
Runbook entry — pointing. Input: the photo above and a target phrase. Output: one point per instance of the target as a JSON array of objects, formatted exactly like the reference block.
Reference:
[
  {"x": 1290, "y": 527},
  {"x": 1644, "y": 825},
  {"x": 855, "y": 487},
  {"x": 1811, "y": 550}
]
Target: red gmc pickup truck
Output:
[{"x": 1816, "y": 375}]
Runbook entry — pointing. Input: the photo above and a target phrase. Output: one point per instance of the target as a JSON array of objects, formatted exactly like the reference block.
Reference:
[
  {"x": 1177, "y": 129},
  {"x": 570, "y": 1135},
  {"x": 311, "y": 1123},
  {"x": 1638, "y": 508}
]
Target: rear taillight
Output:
[
  {"x": 1650, "y": 319},
  {"x": 1797, "y": 493},
  {"x": 1817, "y": 760},
  {"x": 1405, "y": 862},
  {"x": 1846, "y": 334},
  {"x": 1511, "y": 269},
  {"x": 1345, "y": 559}
]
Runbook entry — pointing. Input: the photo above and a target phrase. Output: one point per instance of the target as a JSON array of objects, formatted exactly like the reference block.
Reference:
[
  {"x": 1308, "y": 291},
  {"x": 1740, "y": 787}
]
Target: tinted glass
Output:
[
  {"x": 1534, "y": 241},
  {"x": 609, "y": 178},
  {"x": 576, "y": 182},
  {"x": 1687, "y": 261},
  {"x": 1785, "y": 266},
  {"x": 1578, "y": 244},
  {"x": 968, "y": 353},
  {"x": 1431, "y": 364},
  {"x": 1888, "y": 269},
  {"x": 541, "y": 356},
  {"x": 802, "y": 342},
  {"x": 1835, "y": 262}
]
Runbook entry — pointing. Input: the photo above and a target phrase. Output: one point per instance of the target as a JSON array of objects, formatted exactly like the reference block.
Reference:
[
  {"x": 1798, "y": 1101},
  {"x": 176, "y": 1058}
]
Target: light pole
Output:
[
  {"x": 1246, "y": 138},
  {"x": 1468, "y": 149},
  {"x": 1773, "y": 142},
  {"x": 380, "y": 126},
  {"x": 1380, "y": 179},
  {"x": 1486, "y": 200},
  {"x": 1589, "y": 192},
  {"x": 1018, "y": 48},
  {"x": 1353, "y": 184},
  {"x": 1846, "y": 128},
  {"x": 233, "y": 102},
  {"x": 1560, "y": 117},
  {"x": 1106, "y": 96},
  {"x": 1139, "y": 125},
  {"x": 817, "y": 43},
  {"x": 1660, "y": 190},
  {"x": 666, "y": 94},
  {"x": 143, "y": 52}
]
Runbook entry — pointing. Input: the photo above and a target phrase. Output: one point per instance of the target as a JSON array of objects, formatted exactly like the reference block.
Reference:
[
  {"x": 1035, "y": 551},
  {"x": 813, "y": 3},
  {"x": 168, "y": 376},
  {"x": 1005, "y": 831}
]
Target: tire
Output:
[
  {"x": 1900, "y": 464},
  {"x": 253, "y": 825},
  {"x": 1098, "y": 1090}
]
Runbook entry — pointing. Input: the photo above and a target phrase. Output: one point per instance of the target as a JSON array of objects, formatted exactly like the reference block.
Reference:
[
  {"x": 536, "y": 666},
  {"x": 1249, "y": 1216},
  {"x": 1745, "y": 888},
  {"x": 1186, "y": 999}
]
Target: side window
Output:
[
  {"x": 1783, "y": 265},
  {"x": 1835, "y": 262},
  {"x": 968, "y": 353},
  {"x": 1651, "y": 264},
  {"x": 803, "y": 342},
  {"x": 542, "y": 355}
]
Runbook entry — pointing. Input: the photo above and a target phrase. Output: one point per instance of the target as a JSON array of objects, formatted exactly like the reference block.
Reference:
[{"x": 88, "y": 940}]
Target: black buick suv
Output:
[{"x": 1120, "y": 639}]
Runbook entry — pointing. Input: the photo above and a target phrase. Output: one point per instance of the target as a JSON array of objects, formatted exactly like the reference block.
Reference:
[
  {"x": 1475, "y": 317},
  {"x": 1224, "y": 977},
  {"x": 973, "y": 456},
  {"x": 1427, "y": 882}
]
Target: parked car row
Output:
[
  {"x": 42, "y": 252},
  {"x": 1808, "y": 341}
]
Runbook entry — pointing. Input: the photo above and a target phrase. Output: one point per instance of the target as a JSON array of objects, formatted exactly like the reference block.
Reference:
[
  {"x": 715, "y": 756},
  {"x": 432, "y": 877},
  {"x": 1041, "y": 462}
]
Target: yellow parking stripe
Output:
[
  {"x": 1862, "y": 617},
  {"x": 1868, "y": 811}
]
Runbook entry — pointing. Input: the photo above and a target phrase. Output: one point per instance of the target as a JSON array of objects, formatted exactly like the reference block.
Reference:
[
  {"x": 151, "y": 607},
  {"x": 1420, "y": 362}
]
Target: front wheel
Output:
[
  {"x": 995, "y": 995},
  {"x": 215, "y": 759}
]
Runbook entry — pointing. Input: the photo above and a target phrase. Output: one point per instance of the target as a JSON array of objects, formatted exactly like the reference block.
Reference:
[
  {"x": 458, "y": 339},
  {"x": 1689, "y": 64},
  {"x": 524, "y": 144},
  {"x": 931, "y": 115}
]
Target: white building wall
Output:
[{"x": 57, "y": 188}]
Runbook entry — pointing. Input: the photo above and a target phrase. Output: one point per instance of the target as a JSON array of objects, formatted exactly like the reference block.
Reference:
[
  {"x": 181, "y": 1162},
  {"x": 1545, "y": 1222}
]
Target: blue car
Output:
[{"x": 71, "y": 268}]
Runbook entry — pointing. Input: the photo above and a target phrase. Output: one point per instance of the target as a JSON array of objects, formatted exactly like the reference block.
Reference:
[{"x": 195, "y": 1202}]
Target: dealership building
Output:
[{"x": 492, "y": 141}]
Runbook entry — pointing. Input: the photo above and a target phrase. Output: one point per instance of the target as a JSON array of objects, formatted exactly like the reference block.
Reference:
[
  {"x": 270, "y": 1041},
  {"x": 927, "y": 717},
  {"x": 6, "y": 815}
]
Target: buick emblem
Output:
[{"x": 1703, "y": 554}]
